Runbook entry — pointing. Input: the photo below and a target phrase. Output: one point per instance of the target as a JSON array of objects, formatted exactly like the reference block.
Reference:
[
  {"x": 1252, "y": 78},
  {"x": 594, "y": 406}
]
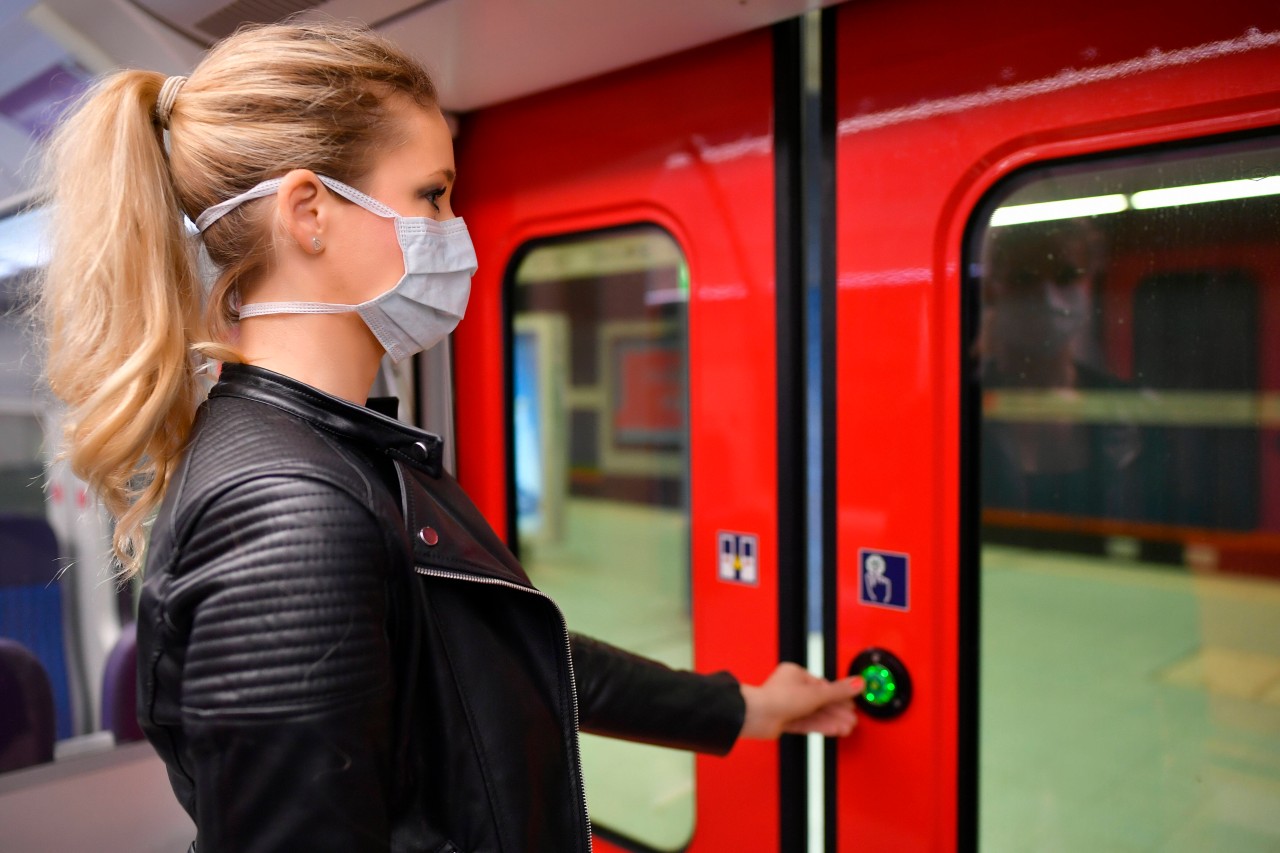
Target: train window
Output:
[
  {"x": 1128, "y": 354},
  {"x": 69, "y": 620},
  {"x": 21, "y": 435},
  {"x": 600, "y": 430}
]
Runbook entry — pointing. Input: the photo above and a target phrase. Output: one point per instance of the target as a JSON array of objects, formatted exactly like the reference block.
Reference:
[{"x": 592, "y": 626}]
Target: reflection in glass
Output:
[
  {"x": 600, "y": 428},
  {"x": 1128, "y": 356}
]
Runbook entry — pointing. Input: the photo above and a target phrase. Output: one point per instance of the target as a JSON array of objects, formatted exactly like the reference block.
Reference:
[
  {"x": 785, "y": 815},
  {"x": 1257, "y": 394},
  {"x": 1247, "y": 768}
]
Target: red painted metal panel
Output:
[
  {"x": 602, "y": 846},
  {"x": 684, "y": 142},
  {"x": 936, "y": 101}
]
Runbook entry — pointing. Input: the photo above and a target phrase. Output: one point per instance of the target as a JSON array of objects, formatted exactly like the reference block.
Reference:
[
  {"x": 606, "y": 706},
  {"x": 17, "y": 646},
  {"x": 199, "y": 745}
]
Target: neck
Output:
[{"x": 335, "y": 353}]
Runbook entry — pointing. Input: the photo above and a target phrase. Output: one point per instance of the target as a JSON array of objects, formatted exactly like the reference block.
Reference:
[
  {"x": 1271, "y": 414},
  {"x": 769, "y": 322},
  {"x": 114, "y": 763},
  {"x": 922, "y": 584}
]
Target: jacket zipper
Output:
[{"x": 573, "y": 683}]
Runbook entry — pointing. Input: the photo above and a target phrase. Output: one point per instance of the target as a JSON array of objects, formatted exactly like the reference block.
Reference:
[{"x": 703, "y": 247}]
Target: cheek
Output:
[
  {"x": 376, "y": 260},
  {"x": 364, "y": 259},
  {"x": 388, "y": 248}
]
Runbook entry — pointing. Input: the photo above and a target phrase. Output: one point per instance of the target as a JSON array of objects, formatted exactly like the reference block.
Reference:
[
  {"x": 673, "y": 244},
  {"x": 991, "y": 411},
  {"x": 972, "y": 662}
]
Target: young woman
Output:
[{"x": 336, "y": 652}]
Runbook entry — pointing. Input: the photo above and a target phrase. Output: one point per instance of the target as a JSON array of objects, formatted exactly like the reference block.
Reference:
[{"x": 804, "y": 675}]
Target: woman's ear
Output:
[{"x": 300, "y": 209}]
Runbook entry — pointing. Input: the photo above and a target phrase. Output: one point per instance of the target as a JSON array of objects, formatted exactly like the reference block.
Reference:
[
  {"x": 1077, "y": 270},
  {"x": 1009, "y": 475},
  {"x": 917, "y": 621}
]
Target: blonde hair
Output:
[{"x": 125, "y": 315}]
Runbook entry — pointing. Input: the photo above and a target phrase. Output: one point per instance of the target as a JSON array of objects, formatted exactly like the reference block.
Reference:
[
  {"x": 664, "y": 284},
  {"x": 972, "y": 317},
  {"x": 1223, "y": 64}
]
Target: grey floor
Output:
[{"x": 1127, "y": 707}]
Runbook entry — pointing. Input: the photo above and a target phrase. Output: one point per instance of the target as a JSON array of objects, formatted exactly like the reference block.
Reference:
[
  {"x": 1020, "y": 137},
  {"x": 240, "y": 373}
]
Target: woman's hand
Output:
[{"x": 794, "y": 701}]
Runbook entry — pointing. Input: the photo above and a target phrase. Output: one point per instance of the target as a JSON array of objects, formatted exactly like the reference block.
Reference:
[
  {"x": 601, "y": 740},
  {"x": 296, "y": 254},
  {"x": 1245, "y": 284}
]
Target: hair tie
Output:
[{"x": 164, "y": 102}]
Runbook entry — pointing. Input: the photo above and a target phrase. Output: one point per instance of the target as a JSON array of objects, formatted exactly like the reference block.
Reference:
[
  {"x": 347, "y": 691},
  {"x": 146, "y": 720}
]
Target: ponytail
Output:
[
  {"x": 122, "y": 300},
  {"x": 121, "y": 303}
]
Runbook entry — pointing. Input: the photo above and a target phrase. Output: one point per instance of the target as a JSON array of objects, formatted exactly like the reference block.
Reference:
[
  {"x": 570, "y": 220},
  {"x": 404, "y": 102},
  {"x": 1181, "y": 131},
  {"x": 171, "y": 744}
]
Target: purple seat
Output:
[
  {"x": 120, "y": 687},
  {"x": 26, "y": 708}
]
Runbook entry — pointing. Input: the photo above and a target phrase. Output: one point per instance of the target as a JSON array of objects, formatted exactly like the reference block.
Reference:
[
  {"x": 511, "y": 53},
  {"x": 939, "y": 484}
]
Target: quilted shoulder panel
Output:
[{"x": 279, "y": 551}]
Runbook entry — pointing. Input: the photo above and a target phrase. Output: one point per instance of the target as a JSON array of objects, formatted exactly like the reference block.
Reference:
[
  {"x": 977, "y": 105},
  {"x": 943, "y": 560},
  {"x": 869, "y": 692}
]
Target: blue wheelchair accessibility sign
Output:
[{"x": 884, "y": 578}]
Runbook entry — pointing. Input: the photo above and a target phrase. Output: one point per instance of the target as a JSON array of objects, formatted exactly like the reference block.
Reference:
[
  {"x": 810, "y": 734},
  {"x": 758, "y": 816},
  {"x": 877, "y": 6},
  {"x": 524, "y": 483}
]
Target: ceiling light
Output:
[
  {"x": 1200, "y": 193},
  {"x": 1069, "y": 208}
]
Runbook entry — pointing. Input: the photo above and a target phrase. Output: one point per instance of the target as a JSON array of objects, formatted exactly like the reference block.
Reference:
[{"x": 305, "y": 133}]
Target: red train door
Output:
[
  {"x": 616, "y": 386},
  {"x": 1078, "y": 639}
]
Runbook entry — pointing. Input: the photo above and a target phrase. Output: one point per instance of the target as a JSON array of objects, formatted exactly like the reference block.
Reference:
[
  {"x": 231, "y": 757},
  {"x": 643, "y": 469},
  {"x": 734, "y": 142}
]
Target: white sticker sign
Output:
[{"x": 737, "y": 554}]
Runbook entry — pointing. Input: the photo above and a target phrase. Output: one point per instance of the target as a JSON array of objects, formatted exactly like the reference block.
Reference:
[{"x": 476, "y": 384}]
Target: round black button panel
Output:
[{"x": 887, "y": 691}]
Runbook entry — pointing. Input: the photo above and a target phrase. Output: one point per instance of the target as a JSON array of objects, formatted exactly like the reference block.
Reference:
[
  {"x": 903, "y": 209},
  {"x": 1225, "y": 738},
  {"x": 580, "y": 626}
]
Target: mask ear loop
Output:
[
  {"x": 222, "y": 208},
  {"x": 352, "y": 194},
  {"x": 272, "y": 186}
]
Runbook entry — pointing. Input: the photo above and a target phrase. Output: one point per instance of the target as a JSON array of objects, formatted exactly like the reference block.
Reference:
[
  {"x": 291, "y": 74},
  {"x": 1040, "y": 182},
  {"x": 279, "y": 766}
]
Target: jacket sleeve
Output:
[
  {"x": 285, "y": 690},
  {"x": 626, "y": 696}
]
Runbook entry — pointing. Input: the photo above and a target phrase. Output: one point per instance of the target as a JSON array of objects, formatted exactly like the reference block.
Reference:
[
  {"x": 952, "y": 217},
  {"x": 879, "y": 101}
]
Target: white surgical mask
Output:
[{"x": 423, "y": 307}]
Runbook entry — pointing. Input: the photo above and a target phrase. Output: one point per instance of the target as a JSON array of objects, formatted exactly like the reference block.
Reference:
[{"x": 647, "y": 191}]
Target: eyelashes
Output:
[{"x": 434, "y": 195}]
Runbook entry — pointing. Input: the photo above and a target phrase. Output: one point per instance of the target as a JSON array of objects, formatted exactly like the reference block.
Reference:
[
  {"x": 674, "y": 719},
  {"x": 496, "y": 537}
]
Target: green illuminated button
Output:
[
  {"x": 879, "y": 685},
  {"x": 886, "y": 683}
]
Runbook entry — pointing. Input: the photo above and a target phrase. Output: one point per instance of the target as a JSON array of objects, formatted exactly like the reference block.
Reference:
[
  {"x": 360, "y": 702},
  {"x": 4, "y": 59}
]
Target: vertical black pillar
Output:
[
  {"x": 788, "y": 85},
  {"x": 969, "y": 641},
  {"x": 804, "y": 149},
  {"x": 820, "y": 273}
]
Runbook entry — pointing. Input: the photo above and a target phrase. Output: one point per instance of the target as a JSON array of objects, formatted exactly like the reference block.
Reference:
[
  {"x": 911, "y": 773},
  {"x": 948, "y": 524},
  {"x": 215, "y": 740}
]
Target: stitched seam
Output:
[
  {"x": 181, "y": 485},
  {"x": 171, "y": 731},
  {"x": 463, "y": 563},
  {"x": 322, "y": 402},
  {"x": 290, "y": 475},
  {"x": 564, "y": 671},
  {"x": 344, "y": 453},
  {"x": 250, "y": 714},
  {"x": 316, "y": 425},
  {"x": 263, "y": 548}
]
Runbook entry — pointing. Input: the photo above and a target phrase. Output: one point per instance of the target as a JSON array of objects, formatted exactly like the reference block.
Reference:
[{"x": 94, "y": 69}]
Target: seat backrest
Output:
[
  {"x": 26, "y": 709},
  {"x": 120, "y": 687},
  {"x": 31, "y": 602}
]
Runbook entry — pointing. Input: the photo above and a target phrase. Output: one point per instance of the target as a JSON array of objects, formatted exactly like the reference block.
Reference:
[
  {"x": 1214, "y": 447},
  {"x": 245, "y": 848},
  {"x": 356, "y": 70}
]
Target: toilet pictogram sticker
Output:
[{"x": 738, "y": 557}]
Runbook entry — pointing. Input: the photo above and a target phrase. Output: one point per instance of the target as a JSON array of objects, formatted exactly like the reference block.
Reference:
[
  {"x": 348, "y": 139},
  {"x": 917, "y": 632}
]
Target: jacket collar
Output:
[
  {"x": 418, "y": 448},
  {"x": 449, "y": 534}
]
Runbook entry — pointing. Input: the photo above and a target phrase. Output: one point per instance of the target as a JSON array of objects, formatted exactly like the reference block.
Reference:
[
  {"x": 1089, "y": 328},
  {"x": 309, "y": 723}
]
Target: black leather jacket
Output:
[{"x": 336, "y": 652}]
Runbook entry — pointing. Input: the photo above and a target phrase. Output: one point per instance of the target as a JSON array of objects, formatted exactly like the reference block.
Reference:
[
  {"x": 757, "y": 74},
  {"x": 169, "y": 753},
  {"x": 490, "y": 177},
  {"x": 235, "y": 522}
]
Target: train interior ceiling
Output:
[{"x": 1032, "y": 329}]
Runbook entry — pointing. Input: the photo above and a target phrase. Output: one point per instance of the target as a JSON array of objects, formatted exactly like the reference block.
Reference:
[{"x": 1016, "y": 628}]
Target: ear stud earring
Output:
[{"x": 316, "y": 245}]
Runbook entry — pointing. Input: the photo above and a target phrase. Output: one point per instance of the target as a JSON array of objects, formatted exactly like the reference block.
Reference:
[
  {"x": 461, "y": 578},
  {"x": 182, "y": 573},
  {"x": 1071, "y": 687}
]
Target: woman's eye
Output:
[{"x": 434, "y": 196}]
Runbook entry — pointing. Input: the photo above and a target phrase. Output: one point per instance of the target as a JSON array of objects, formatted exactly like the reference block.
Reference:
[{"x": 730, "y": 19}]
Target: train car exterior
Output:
[
  {"x": 608, "y": 174},
  {"x": 1026, "y": 745},
  {"x": 934, "y": 342},
  {"x": 939, "y": 117}
]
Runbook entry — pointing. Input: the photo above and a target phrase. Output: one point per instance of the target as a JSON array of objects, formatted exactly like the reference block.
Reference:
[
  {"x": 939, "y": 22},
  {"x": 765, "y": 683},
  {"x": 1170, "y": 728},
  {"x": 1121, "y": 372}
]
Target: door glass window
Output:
[
  {"x": 1128, "y": 354},
  {"x": 600, "y": 429},
  {"x": 21, "y": 450},
  {"x": 70, "y": 620}
]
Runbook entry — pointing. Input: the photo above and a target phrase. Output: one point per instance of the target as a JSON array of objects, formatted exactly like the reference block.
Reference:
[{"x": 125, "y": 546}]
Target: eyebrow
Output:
[{"x": 449, "y": 175}]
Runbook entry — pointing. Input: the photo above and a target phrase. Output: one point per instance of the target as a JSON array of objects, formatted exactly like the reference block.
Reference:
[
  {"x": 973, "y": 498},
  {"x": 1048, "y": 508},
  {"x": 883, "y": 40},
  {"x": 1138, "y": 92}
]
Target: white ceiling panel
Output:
[
  {"x": 482, "y": 51},
  {"x": 486, "y": 51}
]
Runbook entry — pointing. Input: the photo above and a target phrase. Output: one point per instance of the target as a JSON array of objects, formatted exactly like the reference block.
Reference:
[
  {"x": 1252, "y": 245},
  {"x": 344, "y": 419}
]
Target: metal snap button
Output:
[{"x": 428, "y": 536}]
